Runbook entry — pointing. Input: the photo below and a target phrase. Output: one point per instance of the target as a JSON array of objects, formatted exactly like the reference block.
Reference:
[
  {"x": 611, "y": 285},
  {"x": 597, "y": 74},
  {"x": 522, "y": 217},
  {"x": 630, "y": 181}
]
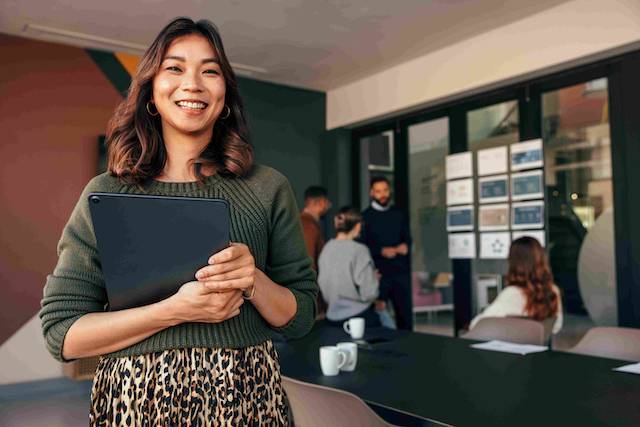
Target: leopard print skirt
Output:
[{"x": 191, "y": 387}]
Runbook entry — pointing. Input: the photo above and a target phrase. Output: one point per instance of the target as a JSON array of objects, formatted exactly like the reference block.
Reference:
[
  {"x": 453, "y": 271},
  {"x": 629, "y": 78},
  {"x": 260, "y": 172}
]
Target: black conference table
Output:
[{"x": 443, "y": 380}]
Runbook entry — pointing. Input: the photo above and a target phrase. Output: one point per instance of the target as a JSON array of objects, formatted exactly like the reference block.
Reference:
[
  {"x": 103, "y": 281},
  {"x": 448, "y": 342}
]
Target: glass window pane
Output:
[
  {"x": 496, "y": 125},
  {"x": 493, "y": 126},
  {"x": 577, "y": 144},
  {"x": 376, "y": 159},
  {"x": 432, "y": 289}
]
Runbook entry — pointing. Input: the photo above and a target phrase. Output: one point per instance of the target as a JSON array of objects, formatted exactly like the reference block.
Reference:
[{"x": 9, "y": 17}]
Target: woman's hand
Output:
[
  {"x": 233, "y": 268},
  {"x": 195, "y": 303}
]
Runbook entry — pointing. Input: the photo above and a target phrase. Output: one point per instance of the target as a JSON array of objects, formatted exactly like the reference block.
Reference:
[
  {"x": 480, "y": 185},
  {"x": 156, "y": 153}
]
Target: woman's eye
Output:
[
  {"x": 211, "y": 72},
  {"x": 174, "y": 68}
]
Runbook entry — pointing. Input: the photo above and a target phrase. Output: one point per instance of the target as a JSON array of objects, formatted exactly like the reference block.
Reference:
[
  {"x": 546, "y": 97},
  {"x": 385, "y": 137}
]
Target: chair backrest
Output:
[
  {"x": 611, "y": 342},
  {"x": 547, "y": 326},
  {"x": 314, "y": 405},
  {"x": 512, "y": 329}
]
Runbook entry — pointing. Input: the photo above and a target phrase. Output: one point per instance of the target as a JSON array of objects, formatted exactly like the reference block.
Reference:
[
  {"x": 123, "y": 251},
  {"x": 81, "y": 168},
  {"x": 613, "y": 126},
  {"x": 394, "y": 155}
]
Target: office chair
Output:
[
  {"x": 318, "y": 406},
  {"x": 610, "y": 342},
  {"x": 511, "y": 329}
]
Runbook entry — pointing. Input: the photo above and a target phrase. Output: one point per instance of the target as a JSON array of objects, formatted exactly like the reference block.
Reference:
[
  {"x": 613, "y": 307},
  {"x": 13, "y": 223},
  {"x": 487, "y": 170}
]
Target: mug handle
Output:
[
  {"x": 346, "y": 327},
  {"x": 345, "y": 358}
]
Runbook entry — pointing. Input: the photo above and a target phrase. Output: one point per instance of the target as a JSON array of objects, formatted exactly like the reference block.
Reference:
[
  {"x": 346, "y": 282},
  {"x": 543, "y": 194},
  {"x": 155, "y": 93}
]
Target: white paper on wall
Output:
[
  {"x": 460, "y": 192},
  {"x": 493, "y": 161},
  {"x": 459, "y": 165},
  {"x": 495, "y": 245},
  {"x": 527, "y": 185},
  {"x": 527, "y": 155},
  {"x": 494, "y": 217},
  {"x": 462, "y": 245}
]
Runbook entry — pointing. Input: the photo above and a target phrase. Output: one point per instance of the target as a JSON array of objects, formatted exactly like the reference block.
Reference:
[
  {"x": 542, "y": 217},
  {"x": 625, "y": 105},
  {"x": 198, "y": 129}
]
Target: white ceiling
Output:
[{"x": 317, "y": 44}]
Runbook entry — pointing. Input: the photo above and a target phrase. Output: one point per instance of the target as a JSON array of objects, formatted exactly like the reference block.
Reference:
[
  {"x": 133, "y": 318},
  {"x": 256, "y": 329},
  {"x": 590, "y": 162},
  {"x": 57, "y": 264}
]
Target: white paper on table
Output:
[
  {"x": 492, "y": 161},
  {"x": 459, "y": 165},
  {"x": 460, "y": 192},
  {"x": 634, "y": 368},
  {"x": 508, "y": 347},
  {"x": 462, "y": 245},
  {"x": 495, "y": 245}
]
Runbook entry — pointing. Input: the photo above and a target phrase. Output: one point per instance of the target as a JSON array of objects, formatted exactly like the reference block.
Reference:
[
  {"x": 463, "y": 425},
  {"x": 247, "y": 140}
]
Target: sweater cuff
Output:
[
  {"x": 56, "y": 335},
  {"x": 304, "y": 318}
]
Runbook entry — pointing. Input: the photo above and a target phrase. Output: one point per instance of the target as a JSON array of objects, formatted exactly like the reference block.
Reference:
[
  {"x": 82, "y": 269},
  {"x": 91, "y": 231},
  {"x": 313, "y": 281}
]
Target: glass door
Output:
[
  {"x": 492, "y": 126},
  {"x": 578, "y": 174},
  {"x": 431, "y": 267}
]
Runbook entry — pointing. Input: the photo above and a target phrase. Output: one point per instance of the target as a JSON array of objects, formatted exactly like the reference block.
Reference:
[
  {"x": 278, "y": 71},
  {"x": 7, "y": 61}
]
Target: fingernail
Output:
[{"x": 198, "y": 275}]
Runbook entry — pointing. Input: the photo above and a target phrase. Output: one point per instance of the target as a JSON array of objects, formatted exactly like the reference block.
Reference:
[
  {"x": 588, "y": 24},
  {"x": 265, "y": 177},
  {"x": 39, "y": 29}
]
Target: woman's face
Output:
[{"x": 189, "y": 89}]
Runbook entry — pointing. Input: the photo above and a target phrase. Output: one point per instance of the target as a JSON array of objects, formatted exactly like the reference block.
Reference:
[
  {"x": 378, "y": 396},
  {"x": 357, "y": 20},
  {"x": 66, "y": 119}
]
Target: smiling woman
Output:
[
  {"x": 184, "y": 85},
  {"x": 202, "y": 356}
]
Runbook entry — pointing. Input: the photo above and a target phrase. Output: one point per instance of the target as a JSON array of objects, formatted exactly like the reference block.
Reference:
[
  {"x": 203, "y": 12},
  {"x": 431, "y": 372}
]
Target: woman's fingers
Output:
[
  {"x": 235, "y": 250},
  {"x": 216, "y": 269},
  {"x": 226, "y": 285},
  {"x": 230, "y": 275}
]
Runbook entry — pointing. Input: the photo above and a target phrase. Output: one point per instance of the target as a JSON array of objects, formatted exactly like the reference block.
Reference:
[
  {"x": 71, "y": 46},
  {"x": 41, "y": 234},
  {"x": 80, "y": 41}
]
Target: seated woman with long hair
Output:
[
  {"x": 346, "y": 273},
  {"x": 530, "y": 290}
]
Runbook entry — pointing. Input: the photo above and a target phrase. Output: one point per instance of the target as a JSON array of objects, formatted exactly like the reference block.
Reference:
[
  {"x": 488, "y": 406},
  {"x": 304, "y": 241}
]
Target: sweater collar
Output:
[{"x": 377, "y": 206}]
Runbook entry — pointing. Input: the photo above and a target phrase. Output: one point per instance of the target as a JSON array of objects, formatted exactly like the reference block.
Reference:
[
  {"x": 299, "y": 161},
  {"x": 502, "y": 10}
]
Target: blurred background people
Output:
[
  {"x": 347, "y": 275},
  {"x": 530, "y": 290},
  {"x": 316, "y": 205},
  {"x": 386, "y": 234}
]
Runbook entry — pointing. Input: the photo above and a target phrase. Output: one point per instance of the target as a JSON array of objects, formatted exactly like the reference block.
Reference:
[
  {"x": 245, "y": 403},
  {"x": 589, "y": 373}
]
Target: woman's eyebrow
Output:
[{"x": 182, "y": 59}]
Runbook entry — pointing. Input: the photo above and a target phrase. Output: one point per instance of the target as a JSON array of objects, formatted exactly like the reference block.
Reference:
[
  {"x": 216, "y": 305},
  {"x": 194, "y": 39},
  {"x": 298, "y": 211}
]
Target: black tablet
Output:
[{"x": 149, "y": 246}]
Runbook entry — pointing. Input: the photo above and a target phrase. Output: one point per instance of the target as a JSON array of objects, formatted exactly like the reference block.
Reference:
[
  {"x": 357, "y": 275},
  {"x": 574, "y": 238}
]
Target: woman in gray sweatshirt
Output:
[{"x": 346, "y": 273}]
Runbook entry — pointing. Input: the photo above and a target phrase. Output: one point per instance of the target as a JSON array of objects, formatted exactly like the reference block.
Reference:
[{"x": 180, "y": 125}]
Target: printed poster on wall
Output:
[
  {"x": 462, "y": 245},
  {"x": 460, "y": 192},
  {"x": 495, "y": 245},
  {"x": 492, "y": 161},
  {"x": 459, "y": 166},
  {"x": 526, "y": 155}
]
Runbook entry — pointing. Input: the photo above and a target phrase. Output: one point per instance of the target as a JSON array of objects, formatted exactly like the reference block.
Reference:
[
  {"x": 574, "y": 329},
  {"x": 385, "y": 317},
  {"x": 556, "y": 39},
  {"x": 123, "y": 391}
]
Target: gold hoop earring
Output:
[
  {"x": 149, "y": 110},
  {"x": 228, "y": 112}
]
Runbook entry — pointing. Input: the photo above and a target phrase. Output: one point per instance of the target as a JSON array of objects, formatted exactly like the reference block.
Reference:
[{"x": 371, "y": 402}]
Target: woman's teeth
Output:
[{"x": 192, "y": 105}]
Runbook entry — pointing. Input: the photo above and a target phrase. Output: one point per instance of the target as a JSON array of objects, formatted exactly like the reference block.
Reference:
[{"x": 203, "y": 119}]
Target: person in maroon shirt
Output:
[{"x": 316, "y": 205}]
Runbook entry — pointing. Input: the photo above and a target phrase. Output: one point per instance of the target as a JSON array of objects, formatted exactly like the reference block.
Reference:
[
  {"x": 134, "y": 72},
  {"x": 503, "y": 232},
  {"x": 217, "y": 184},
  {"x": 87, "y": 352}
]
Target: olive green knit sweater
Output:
[{"x": 264, "y": 216}]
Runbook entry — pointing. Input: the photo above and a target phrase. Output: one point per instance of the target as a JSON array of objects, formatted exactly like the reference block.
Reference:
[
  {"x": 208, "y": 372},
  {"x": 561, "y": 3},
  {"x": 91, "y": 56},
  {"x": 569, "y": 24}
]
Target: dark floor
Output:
[{"x": 51, "y": 403}]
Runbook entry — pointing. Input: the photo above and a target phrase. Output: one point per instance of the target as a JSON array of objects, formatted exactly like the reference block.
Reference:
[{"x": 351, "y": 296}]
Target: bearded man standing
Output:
[{"x": 385, "y": 231}]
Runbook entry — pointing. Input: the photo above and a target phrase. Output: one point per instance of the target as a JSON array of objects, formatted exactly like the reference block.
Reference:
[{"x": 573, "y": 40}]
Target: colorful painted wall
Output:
[{"x": 56, "y": 101}]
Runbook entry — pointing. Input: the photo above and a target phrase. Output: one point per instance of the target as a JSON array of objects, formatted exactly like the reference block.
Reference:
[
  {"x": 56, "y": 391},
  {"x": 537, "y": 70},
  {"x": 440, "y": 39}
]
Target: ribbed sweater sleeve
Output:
[
  {"x": 364, "y": 275},
  {"x": 288, "y": 263},
  {"x": 76, "y": 286}
]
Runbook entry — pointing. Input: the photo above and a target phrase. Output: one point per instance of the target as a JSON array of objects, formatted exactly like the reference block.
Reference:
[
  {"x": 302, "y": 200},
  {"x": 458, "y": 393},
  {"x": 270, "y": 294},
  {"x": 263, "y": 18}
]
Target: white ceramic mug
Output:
[
  {"x": 352, "y": 349},
  {"x": 332, "y": 359},
  {"x": 354, "y": 327}
]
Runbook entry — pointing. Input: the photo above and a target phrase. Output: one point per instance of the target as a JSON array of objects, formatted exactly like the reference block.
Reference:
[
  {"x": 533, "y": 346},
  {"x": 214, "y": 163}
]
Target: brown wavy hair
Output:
[
  {"x": 529, "y": 270},
  {"x": 136, "y": 150}
]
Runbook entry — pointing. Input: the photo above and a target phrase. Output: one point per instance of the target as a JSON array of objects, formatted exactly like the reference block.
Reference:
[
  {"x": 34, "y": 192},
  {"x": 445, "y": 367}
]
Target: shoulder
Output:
[
  {"x": 360, "y": 247},
  {"x": 104, "y": 182},
  {"x": 265, "y": 176},
  {"x": 360, "y": 251},
  {"x": 266, "y": 183},
  {"x": 512, "y": 293}
]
